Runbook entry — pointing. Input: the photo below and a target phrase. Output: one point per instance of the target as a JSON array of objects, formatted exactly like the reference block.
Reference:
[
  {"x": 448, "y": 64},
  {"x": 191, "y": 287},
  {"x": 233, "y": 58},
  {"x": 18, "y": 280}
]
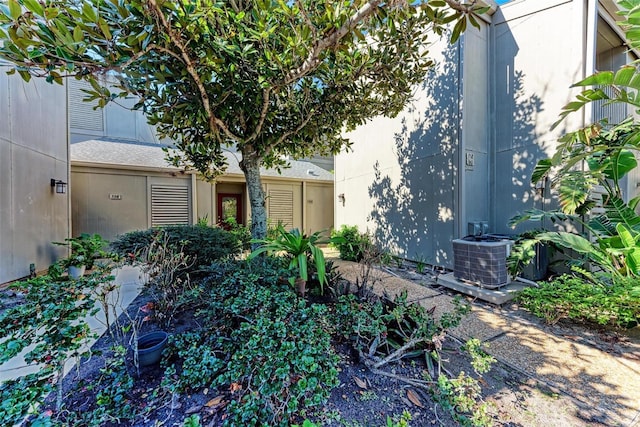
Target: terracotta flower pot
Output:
[
  {"x": 301, "y": 286},
  {"x": 150, "y": 347}
]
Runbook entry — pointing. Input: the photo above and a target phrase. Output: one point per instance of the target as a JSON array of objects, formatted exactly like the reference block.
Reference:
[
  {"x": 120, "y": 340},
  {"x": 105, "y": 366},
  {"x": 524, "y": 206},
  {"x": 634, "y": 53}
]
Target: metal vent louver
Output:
[
  {"x": 169, "y": 205},
  {"x": 281, "y": 207},
  {"x": 81, "y": 114}
]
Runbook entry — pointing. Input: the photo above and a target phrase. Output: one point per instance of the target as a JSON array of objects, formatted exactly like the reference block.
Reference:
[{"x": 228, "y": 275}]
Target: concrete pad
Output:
[{"x": 495, "y": 296}]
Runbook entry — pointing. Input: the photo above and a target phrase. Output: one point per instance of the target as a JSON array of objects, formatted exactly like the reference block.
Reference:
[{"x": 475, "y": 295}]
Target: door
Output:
[{"x": 229, "y": 206}]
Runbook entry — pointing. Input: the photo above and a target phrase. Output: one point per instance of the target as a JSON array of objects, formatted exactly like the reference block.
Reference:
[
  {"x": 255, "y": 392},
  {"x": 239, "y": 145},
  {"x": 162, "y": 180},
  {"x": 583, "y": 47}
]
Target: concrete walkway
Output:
[
  {"x": 129, "y": 283},
  {"x": 605, "y": 385}
]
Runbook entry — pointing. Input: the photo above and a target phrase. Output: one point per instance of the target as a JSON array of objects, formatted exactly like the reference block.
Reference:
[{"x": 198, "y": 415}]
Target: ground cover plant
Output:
[
  {"x": 245, "y": 349},
  {"x": 615, "y": 304}
]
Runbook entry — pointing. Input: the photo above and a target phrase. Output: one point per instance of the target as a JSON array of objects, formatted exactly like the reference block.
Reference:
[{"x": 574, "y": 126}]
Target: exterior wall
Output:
[
  {"x": 32, "y": 215},
  {"x": 318, "y": 203},
  {"x": 94, "y": 211},
  {"x": 117, "y": 121},
  {"x": 538, "y": 49},
  {"x": 401, "y": 180}
]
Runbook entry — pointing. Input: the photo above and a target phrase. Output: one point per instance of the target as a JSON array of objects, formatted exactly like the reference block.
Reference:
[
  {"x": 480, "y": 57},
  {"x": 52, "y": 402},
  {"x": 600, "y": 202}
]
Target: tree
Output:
[{"x": 272, "y": 78}]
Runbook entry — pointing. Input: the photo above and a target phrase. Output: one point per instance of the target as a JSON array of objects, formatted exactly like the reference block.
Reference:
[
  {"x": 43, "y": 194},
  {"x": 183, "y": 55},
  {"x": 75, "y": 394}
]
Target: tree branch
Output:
[
  {"x": 215, "y": 123},
  {"x": 462, "y": 7},
  {"x": 332, "y": 39},
  {"x": 286, "y": 135},
  {"x": 313, "y": 59},
  {"x": 266, "y": 94},
  {"x": 398, "y": 354},
  {"x": 305, "y": 17}
]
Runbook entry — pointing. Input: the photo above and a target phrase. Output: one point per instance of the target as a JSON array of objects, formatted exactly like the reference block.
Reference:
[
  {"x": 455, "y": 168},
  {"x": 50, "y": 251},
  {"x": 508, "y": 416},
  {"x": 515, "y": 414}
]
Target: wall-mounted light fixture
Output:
[
  {"x": 341, "y": 198},
  {"x": 61, "y": 186}
]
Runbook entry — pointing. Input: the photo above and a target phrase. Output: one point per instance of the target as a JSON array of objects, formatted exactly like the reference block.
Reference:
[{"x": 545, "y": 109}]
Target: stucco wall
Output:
[
  {"x": 401, "y": 179},
  {"x": 538, "y": 53},
  {"x": 93, "y": 211},
  {"x": 33, "y": 149}
]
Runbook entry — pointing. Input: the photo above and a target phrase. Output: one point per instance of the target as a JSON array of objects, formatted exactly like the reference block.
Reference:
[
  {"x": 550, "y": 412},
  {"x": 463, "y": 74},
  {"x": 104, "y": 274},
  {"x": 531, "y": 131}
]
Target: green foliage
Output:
[
  {"x": 286, "y": 363},
  {"x": 85, "y": 249},
  {"x": 52, "y": 318},
  {"x": 192, "y": 420},
  {"x": 278, "y": 355},
  {"x": 571, "y": 297},
  {"x": 348, "y": 240},
  {"x": 200, "y": 359},
  {"x": 298, "y": 248},
  {"x": 113, "y": 388},
  {"x": 480, "y": 360},
  {"x": 336, "y": 285},
  {"x": 462, "y": 397},
  {"x": 20, "y": 397},
  {"x": 241, "y": 232},
  {"x": 403, "y": 420},
  {"x": 386, "y": 331},
  {"x": 201, "y": 244}
]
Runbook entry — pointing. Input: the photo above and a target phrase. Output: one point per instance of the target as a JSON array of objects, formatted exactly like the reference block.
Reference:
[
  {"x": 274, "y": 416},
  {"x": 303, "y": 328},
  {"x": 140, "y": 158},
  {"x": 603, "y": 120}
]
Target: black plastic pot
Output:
[{"x": 150, "y": 347}]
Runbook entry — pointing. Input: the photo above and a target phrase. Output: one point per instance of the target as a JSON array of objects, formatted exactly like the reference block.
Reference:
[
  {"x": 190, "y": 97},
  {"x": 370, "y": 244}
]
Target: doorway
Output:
[{"x": 229, "y": 206}]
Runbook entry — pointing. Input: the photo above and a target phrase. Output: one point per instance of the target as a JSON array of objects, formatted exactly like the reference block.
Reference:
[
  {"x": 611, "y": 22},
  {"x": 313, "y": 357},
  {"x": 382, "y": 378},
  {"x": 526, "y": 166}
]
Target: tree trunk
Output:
[{"x": 250, "y": 165}]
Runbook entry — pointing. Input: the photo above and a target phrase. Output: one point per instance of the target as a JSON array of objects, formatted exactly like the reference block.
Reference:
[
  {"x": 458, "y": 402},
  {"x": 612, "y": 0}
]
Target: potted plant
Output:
[
  {"x": 84, "y": 249},
  {"x": 299, "y": 248}
]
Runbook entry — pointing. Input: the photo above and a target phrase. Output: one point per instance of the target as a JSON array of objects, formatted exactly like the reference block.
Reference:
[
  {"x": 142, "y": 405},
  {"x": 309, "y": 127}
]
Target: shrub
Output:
[
  {"x": 571, "y": 297},
  {"x": 241, "y": 232},
  {"x": 350, "y": 242},
  {"x": 203, "y": 245}
]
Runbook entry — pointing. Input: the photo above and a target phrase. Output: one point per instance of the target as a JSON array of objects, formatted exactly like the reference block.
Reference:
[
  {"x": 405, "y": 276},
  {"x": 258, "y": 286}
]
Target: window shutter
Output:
[
  {"x": 169, "y": 205},
  {"x": 81, "y": 114},
  {"x": 281, "y": 207}
]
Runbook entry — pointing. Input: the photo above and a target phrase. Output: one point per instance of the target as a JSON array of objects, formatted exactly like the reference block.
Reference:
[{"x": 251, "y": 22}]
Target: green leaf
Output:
[
  {"x": 458, "y": 29},
  {"x": 625, "y": 236},
  {"x": 34, "y": 6},
  {"x": 78, "y": 34},
  {"x": 15, "y": 9},
  {"x": 614, "y": 166},
  {"x": 541, "y": 170}
]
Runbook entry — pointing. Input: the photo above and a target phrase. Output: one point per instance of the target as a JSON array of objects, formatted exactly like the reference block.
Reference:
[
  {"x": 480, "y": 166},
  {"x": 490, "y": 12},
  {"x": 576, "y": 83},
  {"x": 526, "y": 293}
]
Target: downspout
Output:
[
  {"x": 589, "y": 61},
  {"x": 194, "y": 199},
  {"x": 492, "y": 143},
  {"x": 70, "y": 184},
  {"x": 460, "y": 188}
]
